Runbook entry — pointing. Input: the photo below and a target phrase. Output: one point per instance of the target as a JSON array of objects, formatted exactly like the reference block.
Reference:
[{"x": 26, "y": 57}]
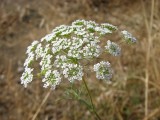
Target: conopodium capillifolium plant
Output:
[{"x": 60, "y": 53}]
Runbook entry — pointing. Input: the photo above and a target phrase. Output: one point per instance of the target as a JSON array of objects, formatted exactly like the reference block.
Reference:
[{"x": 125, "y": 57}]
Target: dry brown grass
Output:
[{"x": 135, "y": 92}]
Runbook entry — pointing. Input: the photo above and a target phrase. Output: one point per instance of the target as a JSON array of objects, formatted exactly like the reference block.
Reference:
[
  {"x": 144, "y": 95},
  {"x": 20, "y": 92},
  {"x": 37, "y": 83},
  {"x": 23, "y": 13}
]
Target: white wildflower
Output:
[
  {"x": 56, "y": 45},
  {"x": 91, "y": 25},
  {"x": 51, "y": 78},
  {"x": 45, "y": 63},
  {"x": 79, "y": 23},
  {"x": 105, "y": 28},
  {"x": 49, "y": 37},
  {"x": 103, "y": 31},
  {"x": 27, "y": 76},
  {"x": 59, "y": 30},
  {"x": 29, "y": 59},
  {"x": 73, "y": 72},
  {"x": 66, "y": 43},
  {"x": 128, "y": 37},
  {"x": 60, "y": 60},
  {"x": 76, "y": 43},
  {"x": 46, "y": 50},
  {"x": 113, "y": 48},
  {"x": 32, "y": 47},
  {"x": 68, "y": 31},
  {"x": 91, "y": 50},
  {"x": 66, "y": 47},
  {"x": 80, "y": 31},
  {"x": 75, "y": 53},
  {"x": 103, "y": 70},
  {"x": 109, "y": 26},
  {"x": 39, "y": 51}
]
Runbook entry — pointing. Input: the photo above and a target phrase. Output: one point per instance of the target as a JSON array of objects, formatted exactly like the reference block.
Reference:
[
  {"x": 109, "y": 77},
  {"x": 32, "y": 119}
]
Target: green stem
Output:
[{"x": 93, "y": 107}]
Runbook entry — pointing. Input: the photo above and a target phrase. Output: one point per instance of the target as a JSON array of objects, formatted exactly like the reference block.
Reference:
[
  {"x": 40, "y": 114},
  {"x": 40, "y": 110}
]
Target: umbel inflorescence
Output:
[{"x": 60, "y": 52}]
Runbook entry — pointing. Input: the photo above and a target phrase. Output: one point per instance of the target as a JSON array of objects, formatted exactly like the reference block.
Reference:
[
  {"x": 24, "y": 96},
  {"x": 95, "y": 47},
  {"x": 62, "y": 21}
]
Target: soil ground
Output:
[{"x": 22, "y": 21}]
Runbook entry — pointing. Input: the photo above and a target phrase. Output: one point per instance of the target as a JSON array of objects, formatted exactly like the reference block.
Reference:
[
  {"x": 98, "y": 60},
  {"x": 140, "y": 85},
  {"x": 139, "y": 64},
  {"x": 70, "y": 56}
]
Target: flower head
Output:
[
  {"x": 103, "y": 70},
  {"x": 51, "y": 78},
  {"x": 60, "y": 61},
  {"x": 39, "y": 51},
  {"x": 109, "y": 26},
  {"x": 128, "y": 37},
  {"x": 73, "y": 72},
  {"x": 27, "y": 76},
  {"x": 113, "y": 48},
  {"x": 32, "y": 47},
  {"x": 91, "y": 50},
  {"x": 61, "y": 53}
]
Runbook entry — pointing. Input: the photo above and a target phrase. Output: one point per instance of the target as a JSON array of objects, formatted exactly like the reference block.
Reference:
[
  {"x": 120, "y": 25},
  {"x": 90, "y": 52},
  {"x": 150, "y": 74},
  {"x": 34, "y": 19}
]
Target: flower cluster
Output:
[
  {"x": 60, "y": 53},
  {"x": 27, "y": 76},
  {"x": 73, "y": 72},
  {"x": 103, "y": 70},
  {"x": 128, "y": 37},
  {"x": 113, "y": 48},
  {"x": 51, "y": 78}
]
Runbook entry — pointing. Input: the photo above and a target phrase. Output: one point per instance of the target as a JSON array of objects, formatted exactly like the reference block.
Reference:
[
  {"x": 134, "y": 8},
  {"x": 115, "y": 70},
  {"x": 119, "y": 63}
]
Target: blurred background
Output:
[{"x": 135, "y": 92}]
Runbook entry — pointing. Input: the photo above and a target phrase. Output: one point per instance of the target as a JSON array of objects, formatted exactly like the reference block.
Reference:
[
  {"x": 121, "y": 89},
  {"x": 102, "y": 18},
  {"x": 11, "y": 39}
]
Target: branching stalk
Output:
[{"x": 93, "y": 107}]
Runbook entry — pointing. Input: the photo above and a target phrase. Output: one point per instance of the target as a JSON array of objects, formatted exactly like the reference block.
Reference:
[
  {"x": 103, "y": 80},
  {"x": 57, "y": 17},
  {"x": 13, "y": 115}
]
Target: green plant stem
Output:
[{"x": 93, "y": 107}]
